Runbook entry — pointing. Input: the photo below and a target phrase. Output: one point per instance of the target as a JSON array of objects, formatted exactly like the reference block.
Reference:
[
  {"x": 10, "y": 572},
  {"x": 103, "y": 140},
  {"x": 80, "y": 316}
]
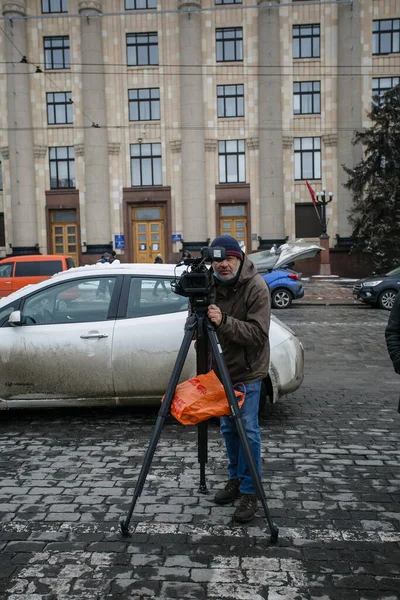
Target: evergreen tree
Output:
[{"x": 375, "y": 184}]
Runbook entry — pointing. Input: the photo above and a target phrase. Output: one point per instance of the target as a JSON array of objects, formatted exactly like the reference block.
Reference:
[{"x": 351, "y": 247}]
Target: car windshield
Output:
[{"x": 395, "y": 271}]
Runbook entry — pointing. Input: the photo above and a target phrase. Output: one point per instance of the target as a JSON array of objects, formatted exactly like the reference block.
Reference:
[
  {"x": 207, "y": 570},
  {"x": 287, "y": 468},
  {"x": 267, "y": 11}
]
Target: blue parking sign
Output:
[{"x": 119, "y": 242}]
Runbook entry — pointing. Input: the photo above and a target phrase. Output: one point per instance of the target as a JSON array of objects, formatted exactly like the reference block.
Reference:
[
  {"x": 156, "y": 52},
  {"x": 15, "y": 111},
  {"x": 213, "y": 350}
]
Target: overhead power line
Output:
[
  {"x": 39, "y": 70},
  {"x": 298, "y": 64},
  {"x": 135, "y": 124},
  {"x": 383, "y": 71}
]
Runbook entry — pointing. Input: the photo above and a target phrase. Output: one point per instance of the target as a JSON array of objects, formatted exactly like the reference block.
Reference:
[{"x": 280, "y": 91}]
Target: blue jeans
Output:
[{"x": 238, "y": 468}]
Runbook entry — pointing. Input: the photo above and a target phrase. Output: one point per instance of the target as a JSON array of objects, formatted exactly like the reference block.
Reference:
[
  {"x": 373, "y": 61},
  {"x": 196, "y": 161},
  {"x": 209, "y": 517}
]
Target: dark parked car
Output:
[
  {"x": 378, "y": 290},
  {"x": 285, "y": 284}
]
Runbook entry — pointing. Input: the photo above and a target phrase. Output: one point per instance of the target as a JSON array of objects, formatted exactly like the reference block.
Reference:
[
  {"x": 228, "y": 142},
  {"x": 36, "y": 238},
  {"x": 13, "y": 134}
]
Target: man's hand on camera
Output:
[{"x": 214, "y": 314}]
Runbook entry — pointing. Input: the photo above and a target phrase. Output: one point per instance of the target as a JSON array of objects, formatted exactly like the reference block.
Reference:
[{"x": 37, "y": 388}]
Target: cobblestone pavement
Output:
[
  {"x": 330, "y": 470},
  {"x": 328, "y": 292}
]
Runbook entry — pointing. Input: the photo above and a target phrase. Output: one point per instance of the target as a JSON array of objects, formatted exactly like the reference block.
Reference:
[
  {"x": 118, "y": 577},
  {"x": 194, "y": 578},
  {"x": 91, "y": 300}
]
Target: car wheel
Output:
[
  {"x": 281, "y": 298},
  {"x": 386, "y": 299}
]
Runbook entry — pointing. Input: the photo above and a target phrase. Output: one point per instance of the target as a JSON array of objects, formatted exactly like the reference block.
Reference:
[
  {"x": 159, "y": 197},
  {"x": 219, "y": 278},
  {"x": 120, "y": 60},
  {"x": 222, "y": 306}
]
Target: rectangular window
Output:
[
  {"x": 386, "y": 36},
  {"x": 380, "y": 85},
  {"x": 307, "y": 158},
  {"x": 228, "y": 1},
  {"x": 307, "y": 220},
  {"x": 38, "y": 268},
  {"x": 229, "y": 44},
  {"x": 144, "y": 104},
  {"x": 149, "y": 297},
  {"x": 306, "y": 97},
  {"x": 142, "y": 49},
  {"x": 56, "y": 52},
  {"x": 306, "y": 41},
  {"x": 59, "y": 108},
  {"x": 62, "y": 167},
  {"x": 146, "y": 168},
  {"x": 140, "y": 4},
  {"x": 54, "y": 6},
  {"x": 230, "y": 100},
  {"x": 232, "y": 161}
]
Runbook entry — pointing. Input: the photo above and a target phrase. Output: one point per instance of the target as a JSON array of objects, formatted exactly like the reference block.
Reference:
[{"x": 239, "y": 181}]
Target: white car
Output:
[{"x": 100, "y": 334}]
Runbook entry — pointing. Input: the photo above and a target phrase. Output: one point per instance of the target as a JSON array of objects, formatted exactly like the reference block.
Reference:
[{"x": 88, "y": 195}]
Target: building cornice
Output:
[
  {"x": 114, "y": 147},
  {"x": 89, "y": 5},
  {"x": 39, "y": 151},
  {"x": 17, "y": 8},
  {"x": 210, "y": 145},
  {"x": 287, "y": 141},
  {"x": 330, "y": 139},
  {"x": 189, "y": 4},
  {"x": 176, "y": 146},
  {"x": 253, "y": 143}
]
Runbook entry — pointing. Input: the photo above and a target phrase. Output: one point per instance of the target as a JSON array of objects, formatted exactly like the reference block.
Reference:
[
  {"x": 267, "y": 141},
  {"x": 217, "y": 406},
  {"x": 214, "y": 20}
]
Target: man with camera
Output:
[{"x": 240, "y": 310}]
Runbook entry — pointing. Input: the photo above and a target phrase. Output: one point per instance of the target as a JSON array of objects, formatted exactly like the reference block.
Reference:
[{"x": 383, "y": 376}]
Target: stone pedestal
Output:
[{"x": 325, "y": 264}]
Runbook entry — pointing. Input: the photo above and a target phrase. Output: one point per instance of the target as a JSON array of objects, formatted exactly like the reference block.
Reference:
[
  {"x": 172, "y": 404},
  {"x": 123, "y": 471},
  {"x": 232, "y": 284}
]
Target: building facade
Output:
[{"x": 150, "y": 126}]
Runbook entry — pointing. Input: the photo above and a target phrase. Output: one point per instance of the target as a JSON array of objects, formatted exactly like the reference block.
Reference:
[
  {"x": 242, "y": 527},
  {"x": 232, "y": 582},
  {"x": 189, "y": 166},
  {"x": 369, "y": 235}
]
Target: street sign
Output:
[
  {"x": 176, "y": 237},
  {"x": 119, "y": 242}
]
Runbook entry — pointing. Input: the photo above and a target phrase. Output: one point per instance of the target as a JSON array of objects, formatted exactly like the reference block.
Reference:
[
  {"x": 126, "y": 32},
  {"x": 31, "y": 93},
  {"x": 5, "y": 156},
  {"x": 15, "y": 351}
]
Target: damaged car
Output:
[{"x": 275, "y": 267}]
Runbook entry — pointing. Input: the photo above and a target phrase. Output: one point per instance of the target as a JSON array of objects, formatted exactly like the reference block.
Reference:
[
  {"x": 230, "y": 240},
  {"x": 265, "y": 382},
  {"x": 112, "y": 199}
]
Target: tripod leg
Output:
[
  {"x": 202, "y": 360},
  {"x": 235, "y": 411},
  {"x": 162, "y": 414},
  {"x": 202, "y": 454}
]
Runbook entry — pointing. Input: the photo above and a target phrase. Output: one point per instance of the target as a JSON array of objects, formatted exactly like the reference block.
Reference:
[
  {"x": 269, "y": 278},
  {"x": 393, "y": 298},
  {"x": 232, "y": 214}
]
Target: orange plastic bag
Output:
[{"x": 201, "y": 398}]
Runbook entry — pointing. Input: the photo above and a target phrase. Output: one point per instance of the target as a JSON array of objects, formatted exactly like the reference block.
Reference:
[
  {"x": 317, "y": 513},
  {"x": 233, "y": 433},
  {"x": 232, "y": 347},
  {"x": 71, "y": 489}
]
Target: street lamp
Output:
[
  {"x": 322, "y": 199},
  {"x": 322, "y": 203}
]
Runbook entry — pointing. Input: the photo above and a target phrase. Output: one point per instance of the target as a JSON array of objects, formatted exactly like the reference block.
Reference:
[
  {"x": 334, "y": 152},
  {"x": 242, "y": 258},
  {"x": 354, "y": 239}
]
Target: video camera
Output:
[{"x": 195, "y": 282}]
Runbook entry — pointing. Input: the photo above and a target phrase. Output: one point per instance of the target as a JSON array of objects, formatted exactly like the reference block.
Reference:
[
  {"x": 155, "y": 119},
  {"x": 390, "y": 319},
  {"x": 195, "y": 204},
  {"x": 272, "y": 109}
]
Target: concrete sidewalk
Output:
[{"x": 328, "y": 291}]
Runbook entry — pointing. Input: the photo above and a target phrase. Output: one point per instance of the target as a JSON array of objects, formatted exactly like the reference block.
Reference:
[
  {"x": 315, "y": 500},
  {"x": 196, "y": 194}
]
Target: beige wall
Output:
[{"x": 121, "y": 133}]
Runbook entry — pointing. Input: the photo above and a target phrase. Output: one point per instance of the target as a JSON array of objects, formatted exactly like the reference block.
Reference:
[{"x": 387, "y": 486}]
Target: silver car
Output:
[{"x": 107, "y": 334}]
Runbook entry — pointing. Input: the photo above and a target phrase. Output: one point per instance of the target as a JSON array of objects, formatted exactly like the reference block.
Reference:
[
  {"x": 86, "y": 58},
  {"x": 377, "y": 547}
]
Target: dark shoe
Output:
[
  {"x": 229, "y": 493},
  {"x": 246, "y": 509}
]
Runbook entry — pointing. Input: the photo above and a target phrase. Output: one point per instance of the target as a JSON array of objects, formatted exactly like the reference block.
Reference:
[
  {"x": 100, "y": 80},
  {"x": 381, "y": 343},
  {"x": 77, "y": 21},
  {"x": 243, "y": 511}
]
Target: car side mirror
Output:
[{"x": 15, "y": 319}]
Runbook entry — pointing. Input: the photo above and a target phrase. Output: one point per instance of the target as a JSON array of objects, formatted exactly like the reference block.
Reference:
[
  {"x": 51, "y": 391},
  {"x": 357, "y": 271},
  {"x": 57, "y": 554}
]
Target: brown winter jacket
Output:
[{"x": 244, "y": 330}]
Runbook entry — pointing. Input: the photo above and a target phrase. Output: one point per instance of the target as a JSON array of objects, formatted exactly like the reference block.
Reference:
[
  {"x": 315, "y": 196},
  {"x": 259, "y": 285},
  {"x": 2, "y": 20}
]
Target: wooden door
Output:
[
  {"x": 64, "y": 234},
  {"x": 233, "y": 222},
  {"x": 148, "y": 235}
]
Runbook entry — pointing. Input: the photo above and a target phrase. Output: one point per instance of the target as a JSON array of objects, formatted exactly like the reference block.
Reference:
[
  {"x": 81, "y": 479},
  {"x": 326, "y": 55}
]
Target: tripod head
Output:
[{"x": 195, "y": 283}]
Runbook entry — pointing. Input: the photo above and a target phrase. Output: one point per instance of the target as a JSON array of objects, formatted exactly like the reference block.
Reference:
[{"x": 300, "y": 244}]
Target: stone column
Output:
[
  {"x": 272, "y": 224},
  {"x": 20, "y": 137},
  {"x": 97, "y": 186},
  {"x": 253, "y": 145},
  {"x": 192, "y": 122},
  {"x": 349, "y": 104},
  {"x": 211, "y": 148}
]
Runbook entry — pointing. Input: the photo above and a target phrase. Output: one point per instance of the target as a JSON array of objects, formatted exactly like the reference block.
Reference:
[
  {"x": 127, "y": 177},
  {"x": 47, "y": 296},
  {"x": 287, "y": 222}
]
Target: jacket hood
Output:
[{"x": 247, "y": 271}]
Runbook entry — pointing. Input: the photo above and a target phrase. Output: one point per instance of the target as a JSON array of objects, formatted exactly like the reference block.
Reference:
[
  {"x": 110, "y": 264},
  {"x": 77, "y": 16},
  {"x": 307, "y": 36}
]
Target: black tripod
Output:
[{"x": 199, "y": 323}]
